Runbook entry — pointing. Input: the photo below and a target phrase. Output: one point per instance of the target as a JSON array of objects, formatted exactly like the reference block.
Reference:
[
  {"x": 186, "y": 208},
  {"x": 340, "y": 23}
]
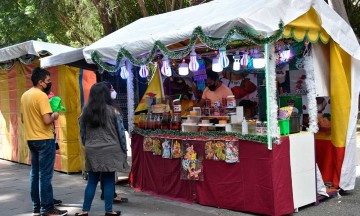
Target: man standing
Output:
[
  {"x": 215, "y": 90},
  {"x": 37, "y": 116}
]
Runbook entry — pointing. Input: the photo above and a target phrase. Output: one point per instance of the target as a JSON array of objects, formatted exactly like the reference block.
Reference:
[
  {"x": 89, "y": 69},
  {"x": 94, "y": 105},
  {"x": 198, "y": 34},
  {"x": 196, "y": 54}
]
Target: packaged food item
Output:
[
  {"x": 231, "y": 101},
  {"x": 288, "y": 109}
]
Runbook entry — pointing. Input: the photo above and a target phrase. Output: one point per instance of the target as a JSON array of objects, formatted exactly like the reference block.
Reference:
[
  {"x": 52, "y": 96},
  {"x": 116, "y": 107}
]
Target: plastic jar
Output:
[{"x": 231, "y": 101}]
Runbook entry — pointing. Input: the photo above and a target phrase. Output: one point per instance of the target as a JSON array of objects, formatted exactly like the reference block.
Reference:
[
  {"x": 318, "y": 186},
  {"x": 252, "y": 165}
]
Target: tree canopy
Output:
[
  {"x": 73, "y": 22},
  {"x": 79, "y": 23}
]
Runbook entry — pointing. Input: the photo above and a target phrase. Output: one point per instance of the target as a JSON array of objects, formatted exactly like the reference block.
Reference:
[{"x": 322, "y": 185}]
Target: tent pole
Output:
[{"x": 267, "y": 79}]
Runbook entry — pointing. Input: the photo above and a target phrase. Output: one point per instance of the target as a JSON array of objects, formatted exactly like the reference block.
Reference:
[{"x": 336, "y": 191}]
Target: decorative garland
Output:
[
  {"x": 197, "y": 33},
  {"x": 274, "y": 132},
  {"x": 311, "y": 93},
  {"x": 130, "y": 97},
  {"x": 208, "y": 134}
]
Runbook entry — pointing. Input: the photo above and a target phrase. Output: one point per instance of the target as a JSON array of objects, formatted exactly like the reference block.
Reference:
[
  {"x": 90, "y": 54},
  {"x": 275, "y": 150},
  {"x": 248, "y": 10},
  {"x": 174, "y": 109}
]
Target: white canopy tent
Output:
[
  {"x": 217, "y": 17},
  {"x": 33, "y": 48},
  {"x": 62, "y": 58}
]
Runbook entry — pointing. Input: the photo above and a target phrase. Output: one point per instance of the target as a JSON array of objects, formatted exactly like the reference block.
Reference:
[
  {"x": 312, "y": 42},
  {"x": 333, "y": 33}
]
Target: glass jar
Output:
[
  {"x": 158, "y": 121},
  {"x": 165, "y": 121},
  {"x": 142, "y": 120},
  {"x": 150, "y": 123},
  {"x": 175, "y": 123}
]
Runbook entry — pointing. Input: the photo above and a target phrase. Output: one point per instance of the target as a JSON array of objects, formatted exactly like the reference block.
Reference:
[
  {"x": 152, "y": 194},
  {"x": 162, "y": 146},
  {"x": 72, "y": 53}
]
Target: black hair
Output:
[
  {"x": 96, "y": 112},
  {"x": 212, "y": 75},
  {"x": 38, "y": 74},
  {"x": 108, "y": 84}
]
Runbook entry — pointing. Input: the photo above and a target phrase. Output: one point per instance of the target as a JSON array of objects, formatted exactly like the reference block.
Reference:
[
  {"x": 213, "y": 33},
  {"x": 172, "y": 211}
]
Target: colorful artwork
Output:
[
  {"x": 156, "y": 146},
  {"x": 166, "y": 145},
  {"x": 176, "y": 149},
  {"x": 215, "y": 150},
  {"x": 191, "y": 164},
  {"x": 148, "y": 144},
  {"x": 232, "y": 152},
  {"x": 209, "y": 151}
]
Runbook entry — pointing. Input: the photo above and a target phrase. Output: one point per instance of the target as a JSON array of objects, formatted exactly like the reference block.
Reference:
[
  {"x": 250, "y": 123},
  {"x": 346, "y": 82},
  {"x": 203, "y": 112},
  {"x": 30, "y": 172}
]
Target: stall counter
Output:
[{"x": 264, "y": 181}]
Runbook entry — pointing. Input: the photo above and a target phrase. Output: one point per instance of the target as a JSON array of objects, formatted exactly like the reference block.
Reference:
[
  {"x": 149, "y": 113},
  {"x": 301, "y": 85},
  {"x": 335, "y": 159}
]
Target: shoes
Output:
[
  {"x": 57, "y": 202},
  {"x": 36, "y": 212},
  {"x": 81, "y": 214},
  {"x": 116, "y": 200},
  {"x": 117, "y": 213},
  {"x": 54, "y": 212},
  {"x": 121, "y": 200}
]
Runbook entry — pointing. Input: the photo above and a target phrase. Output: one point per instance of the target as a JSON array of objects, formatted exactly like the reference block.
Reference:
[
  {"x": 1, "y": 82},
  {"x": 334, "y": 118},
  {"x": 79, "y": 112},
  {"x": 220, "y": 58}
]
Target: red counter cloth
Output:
[{"x": 259, "y": 183}]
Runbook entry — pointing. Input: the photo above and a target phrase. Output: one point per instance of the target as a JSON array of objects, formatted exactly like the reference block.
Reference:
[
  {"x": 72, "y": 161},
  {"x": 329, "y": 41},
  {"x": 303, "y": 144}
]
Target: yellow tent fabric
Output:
[
  {"x": 340, "y": 79},
  {"x": 67, "y": 84},
  {"x": 153, "y": 90},
  {"x": 307, "y": 25}
]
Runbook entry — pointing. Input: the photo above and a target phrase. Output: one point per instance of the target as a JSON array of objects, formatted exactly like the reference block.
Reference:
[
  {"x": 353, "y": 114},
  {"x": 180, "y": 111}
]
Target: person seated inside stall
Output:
[{"x": 215, "y": 90}]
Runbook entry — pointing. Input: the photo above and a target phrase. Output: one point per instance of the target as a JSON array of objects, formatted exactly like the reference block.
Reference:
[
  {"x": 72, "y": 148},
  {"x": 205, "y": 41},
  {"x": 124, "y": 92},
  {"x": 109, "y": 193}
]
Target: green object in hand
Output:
[{"x": 55, "y": 103}]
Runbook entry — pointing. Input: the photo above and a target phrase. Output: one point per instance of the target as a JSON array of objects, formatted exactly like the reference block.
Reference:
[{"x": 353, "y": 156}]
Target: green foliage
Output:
[
  {"x": 353, "y": 11},
  {"x": 71, "y": 22}
]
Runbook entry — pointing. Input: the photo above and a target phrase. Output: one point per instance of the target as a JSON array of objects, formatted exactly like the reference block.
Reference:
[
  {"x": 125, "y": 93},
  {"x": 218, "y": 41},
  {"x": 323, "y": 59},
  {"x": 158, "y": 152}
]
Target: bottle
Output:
[
  {"x": 175, "y": 123},
  {"x": 150, "y": 123},
  {"x": 158, "y": 121},
  {"x": 165, "y": 121},
  {"x": 142, "y": 120},
  {"x": 244, "y": 126},
  {"x": 259, "y": 127}
]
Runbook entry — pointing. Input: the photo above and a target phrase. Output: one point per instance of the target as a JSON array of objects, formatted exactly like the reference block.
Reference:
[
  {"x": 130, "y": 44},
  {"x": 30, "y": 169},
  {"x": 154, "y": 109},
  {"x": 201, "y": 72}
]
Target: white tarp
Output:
[
  {"x": 33, "y": 48},
  {"x": 62, "y": 58},
  {"x": 216, "y": 18}
]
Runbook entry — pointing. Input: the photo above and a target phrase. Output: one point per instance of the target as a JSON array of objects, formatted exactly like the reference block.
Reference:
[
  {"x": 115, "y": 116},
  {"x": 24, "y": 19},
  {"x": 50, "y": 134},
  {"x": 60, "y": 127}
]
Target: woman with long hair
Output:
[{"x": 102, "y": 133}]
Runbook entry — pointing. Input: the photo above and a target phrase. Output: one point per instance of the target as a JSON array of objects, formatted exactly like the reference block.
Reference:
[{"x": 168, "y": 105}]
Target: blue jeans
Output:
[
  {"x": 42, "y": 170},
  {"x": 109, "y": 185}
]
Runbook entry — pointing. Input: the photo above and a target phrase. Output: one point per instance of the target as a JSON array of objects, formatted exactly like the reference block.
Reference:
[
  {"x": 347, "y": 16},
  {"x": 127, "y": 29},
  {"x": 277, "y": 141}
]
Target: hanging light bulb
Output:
[
  {"x": 224, "y": 60},
  {"x": 236, "y": 64},
  {"x": 258, "y": 60},
  {"x": 286, "y": 53},
  {"x": 165, "y": 68},
  {"x": 216, "y": 66},
  {"x": 143, "y": 72},
  {"x": 193, "y": 64},
  {"x": 124, "y": 73},
  {"x": 183, "y": 68},
  {"x": 244, "y": 60}
]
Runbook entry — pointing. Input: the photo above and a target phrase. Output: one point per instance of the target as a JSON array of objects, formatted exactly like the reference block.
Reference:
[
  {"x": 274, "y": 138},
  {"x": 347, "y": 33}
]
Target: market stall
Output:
[
  {"x": 270, "y": 169},
  {"x": 71, "y": 84}
]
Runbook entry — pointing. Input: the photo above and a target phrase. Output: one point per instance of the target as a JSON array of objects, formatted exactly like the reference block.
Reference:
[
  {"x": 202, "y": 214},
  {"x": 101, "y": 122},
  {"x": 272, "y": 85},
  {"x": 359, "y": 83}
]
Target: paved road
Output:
[{"x": 15, "y": 198}]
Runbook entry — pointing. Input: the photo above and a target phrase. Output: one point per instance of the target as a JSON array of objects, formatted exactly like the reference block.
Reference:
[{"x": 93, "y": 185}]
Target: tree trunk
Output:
[
  {"x": 197, "y": 2},
  {"x": 143, "y": 8},
  {"x": 104, "y": 17},
  {"x": 339, "y": 7},
  {"x": 173, "y": 5}
]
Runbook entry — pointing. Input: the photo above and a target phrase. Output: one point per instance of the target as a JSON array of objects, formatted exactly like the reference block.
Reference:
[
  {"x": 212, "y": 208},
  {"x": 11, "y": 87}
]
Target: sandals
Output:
[
  {"x": 117, "y": 213},
  {"x": 121, "y": 200}
]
